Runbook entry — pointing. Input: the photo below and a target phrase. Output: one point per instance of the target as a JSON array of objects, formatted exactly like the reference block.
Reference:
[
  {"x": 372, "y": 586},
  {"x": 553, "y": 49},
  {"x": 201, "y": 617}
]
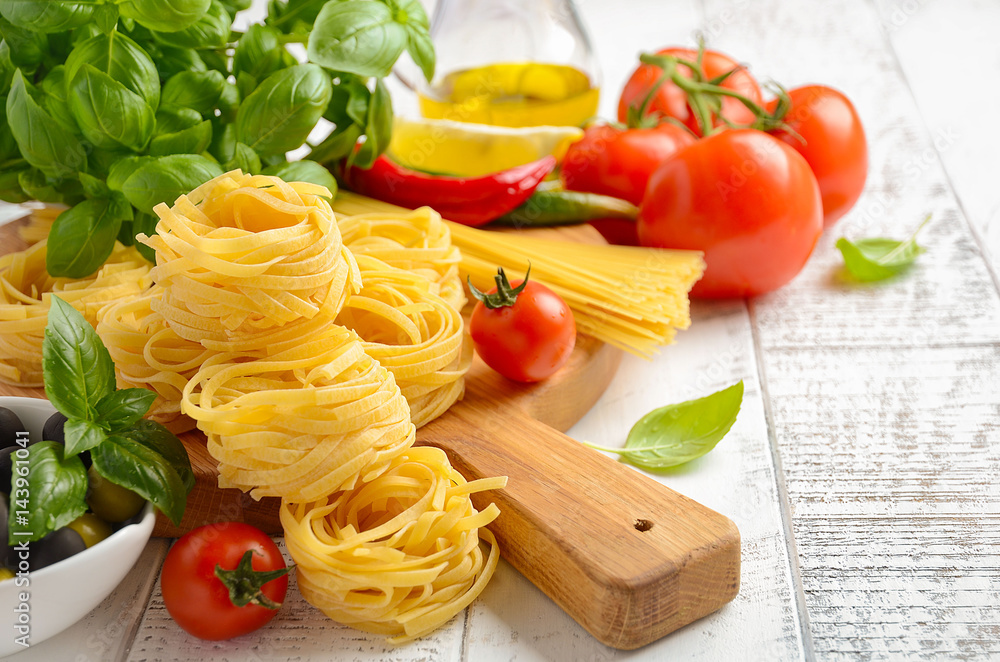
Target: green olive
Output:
[
  {"x": 91, "y": 528},
  {"x": 111, "y": 502}
]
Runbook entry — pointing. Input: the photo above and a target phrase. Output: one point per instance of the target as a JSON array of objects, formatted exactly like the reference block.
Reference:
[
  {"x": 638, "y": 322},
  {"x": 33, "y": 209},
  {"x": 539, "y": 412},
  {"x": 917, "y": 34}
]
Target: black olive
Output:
[
  {"x": 53, "y": 431},
  {"x": 6, "y": 464},
  {"x": 10, "y": 425},
  {"x": 56, "y": 546},
  {"x": 5, "y": 551}
]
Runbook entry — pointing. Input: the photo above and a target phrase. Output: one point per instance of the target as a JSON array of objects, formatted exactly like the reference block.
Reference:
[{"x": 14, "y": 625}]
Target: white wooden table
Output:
[{"x": 862, "y": 471}]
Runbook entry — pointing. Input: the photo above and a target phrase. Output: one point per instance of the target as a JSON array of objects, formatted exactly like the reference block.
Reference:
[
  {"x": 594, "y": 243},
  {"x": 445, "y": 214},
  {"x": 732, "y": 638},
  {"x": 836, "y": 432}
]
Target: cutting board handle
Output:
[{"x": 629, "y": 559}]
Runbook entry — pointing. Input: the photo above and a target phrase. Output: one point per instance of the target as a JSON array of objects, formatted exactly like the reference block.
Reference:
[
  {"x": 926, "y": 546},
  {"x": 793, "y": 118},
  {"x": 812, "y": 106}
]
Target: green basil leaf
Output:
[
  {"x": 304, "y": 171},
  {"x": 106, "y": 17},
  {"x": 229, "y": 103},
  {"x": 76, "y": 366},
  {"x": 675, "y": 434},
  {"x": 293, "y": 15},
  {"x": 7, "y": 67},
  {"x": 41, "y": 188},
  {"x": 156, "y": 437},
  {"x": 421, "y": 49},
  {"x": 145, "y": 224},
  {"x": 357, "y": 104},
  {"x": 94, "y": 187},
  {"x": 82, "y": 238},
  {"x": 166, "y": 178},
  {"x": 164, "y": 15},
  {"x": 47, "y": 16},
  {"x": 109, "y": 115},
  {"x": 122, "y": 169},
  {"x": 171, "y": 119},
  {"x": 235, "y": 6},
  {"x": 223, "y": 145},
  {"x": 209, "y": 31},
  {"x": 193, "y": 140},
  {"x": 44, "y": 142},
  {"x": 278, "y": 116},
  {"x": 258, "y": 53},
  {"x": 27, "y": 47},
  {"x": 216, "y": 60},
  {"x": 81, "y": 435},
  {"x": 337, "y": 145},
  {"x": 55, "y": 103},
  {"x": 198, "y": 90},
  {"x": 378, "y": 128},
  {"x": 124, "y": 408},
  {"x": 125, "y": 459},
  {"x": 8, "y": 146},
  {"x": 357, "y": 36},
  {"x": 126, "y": 234},
  {"x": 10, "y": 187},
  {"x": 245, "y": 159},
  {"x": 120, "y": 58},
  {"x": 171, "y": 61},
  {"x": 56, "y": 493},
  {"x": 876, "y": 259}
]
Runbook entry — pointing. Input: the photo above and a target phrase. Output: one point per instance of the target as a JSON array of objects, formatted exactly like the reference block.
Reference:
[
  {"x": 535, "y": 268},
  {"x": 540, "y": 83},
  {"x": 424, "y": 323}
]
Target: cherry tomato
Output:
[
  {"x": 198, "y": 600},
  {"x": 526, "y": 341},
  {"x": 832, "y": 142},
  {"x": 672, "y": 101},
  {"x": 746, "y": 199}
]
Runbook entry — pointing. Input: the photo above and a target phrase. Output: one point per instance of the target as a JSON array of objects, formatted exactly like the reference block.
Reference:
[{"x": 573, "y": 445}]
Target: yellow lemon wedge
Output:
[{"x": 471, "y": 150}]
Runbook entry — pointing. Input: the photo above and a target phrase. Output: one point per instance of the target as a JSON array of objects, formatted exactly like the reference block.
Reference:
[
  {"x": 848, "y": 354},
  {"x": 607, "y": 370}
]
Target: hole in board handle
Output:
[{"x": 643, "y": 525}]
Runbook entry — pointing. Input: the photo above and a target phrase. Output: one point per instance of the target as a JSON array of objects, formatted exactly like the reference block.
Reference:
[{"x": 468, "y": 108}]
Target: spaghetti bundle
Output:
[
  {"x": 287, "y": 351},
  {"x": 632, "y": 298},
  {"x": 25, "y": 296},
  {"x": 415, "y": 519}
]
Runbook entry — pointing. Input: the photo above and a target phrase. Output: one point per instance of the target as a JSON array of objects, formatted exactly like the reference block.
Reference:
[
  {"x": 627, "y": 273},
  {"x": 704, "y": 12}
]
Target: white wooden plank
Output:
[
  {"x": 514, "y": 621},
  {"x": 954, "y": 97},
  {"x": 298, "y": 632},
  {"x": 105, "y": 633}
]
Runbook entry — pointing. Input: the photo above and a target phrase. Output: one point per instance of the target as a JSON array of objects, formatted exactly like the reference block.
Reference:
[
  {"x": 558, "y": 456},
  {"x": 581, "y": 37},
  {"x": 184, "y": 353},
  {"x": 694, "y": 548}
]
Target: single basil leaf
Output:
[
  {"x": 124, "y": 459},
  {"x": 55, "y": 103},
  {"x": 145, "y": 224},
  {"x": 94, "y": 187},
  {"x": 337, "y": 145},
  {"x": 245, "y": 159},
  {"x": 293, "y": 15},
  {"x": 109, "y": 115},
  {"x": 164, "y": 15},
  {"x": 223, "y": 145},
  {"x": 76, "y": 366},
  {"x": 106, "y": 17},
  {"x": 166, "y": 178},
  {"x": 258, "y": 53},
  {"x": 198, "y": 90},
  {"x": 304, "y": 171},
  {"x": 126, "y": 234},
  {"x": 675, "y": 434},
  {"x": 421, "y": 49},
  {"x": 122, "y": 60},
  {"x": 10, "y": 187},
  {"x": 357, "y": 104},
  {"x": 82, "y": 238},
  {"x": 81, "y": 435},
  {"x": 171, "y": 119},
  {"x": 216, "y": 60},
  {"x": 8, "y": 146},
  {"x": 55, "y": 495},
  {"x": 44, "y": 189},
  {"x": 124, "y": 408},
  {"x": 171, "y": 61},
  {"x": 7, "y": 67},
  {"x": 378, "y": 128},
  {"x": 209, "y": 31},
  {"x": 876, "y": 259},
  {"x": 278, "y": 116},
  {"x": 44, "y": 142},
  {"x": 193, "y": 140},
  {"x": 357, "y": 36},
  {"x": 46, "y": 15},
  {"x": 235, "y": 6},
  {"x": 229, "y": 103},
  {"x": 27, "y": 47},
  {"x": 123, "y": 168},
  {"x": 156, "y": 437}
]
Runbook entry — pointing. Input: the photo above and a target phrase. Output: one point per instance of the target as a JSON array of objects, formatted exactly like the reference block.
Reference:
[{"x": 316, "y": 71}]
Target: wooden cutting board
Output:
[{"x": 627, "y": 558}]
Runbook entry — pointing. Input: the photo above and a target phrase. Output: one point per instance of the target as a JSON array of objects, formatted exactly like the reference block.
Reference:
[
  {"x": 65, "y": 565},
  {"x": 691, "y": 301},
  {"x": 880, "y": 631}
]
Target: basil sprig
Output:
[
  {"x": 125, "y": 448},
  {"x": 877, "y": 258},
  {"x": 675, "y": 434},
  {"x": 114, "y": 106}
]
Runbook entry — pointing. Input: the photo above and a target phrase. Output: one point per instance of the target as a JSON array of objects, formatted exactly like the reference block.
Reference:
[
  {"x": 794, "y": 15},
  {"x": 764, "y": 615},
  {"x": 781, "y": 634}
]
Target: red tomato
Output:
[
  {"x": 529, "y": 340},
  {"x": 672, "y": 101},
  {"x": 832, "y": 142},
  {"x": 746, "y": 199},
  {"x": 198, "y": 600},
  {"x": 618, "y": 162}
]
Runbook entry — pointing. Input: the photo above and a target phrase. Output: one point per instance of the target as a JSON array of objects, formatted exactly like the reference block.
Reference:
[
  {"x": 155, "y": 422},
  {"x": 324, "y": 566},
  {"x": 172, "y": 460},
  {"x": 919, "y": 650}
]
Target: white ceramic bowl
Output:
[{"x": 63, "y": 593}]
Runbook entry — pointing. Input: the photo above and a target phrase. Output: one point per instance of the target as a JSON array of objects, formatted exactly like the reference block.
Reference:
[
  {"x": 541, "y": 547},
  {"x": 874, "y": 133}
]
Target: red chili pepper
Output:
[{"x": 467, "y": 200}]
